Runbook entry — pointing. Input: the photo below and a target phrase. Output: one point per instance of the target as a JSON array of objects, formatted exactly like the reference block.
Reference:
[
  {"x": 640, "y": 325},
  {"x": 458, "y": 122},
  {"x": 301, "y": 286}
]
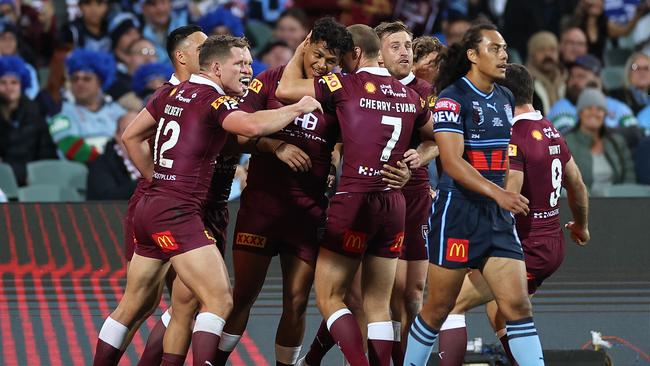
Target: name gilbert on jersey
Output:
[
  {"x": 173, "y": 111},
  {"x": 381, "y": 105}
]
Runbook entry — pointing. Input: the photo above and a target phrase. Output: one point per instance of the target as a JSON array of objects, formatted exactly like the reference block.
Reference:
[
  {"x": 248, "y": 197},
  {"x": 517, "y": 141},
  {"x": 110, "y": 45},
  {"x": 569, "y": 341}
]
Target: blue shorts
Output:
[{"x": 466, "y": 232}]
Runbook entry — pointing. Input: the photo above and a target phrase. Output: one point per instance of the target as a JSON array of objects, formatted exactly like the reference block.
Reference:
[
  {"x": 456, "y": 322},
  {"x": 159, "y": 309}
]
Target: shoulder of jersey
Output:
[{"x": 333, "y": 81}]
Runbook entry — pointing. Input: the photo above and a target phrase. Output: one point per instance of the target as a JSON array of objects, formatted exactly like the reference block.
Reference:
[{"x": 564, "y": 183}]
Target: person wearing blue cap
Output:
[
  {"x": 24, "y": 136},
  {"x": 222, "y": 21},
  {"x": 149, "y": 77},
  {"x": 86, "y": 123}
]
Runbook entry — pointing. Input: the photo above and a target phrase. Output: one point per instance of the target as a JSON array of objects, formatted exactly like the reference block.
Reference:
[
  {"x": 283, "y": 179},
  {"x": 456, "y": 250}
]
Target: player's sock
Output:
[
  {"x": 420, "y": 343},
  {"x": 503, "y": 338},
  {"x": 205, "y": 337},
  {"x": 153, "y": 351},
  {"x": 322, "y": 343},
  {"x": 170, "y": 359},
  {"x": 452, "y": 340},
  {"x": 380, "y": 343},
  {"x": 524, "y": 342},
  {"x": 286, "y": 356},
  {"x": 227, "y": 344},
  {"x": 397, "y": 354},
  {"x": 345, "y": 331},
  {"x": 111, "y": 337}
]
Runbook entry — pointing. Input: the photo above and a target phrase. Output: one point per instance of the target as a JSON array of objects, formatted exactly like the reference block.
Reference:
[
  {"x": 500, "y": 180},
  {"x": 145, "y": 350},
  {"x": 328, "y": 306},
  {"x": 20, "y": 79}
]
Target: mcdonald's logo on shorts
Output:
[
  {"x": 165, "y": 241},
  {"x": 457, "y": 250},
  {"x": 250, "y": 240},
  {"x": 397, "y": 245},
  {"x": 354, "y": 241}
]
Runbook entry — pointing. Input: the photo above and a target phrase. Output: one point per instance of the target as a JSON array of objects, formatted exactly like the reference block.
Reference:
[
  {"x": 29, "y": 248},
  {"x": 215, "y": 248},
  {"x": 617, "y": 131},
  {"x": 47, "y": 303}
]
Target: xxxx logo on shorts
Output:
[
  {"x": 250, "y": 240},
  {"x": 354, "y": 241},
  {"x": 165, "y": 240},
  {"x": 457, "y": 250}
]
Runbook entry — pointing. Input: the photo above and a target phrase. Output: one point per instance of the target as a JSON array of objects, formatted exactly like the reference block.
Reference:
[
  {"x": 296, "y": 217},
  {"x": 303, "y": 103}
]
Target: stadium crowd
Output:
[{"x": 70, "y": 75}]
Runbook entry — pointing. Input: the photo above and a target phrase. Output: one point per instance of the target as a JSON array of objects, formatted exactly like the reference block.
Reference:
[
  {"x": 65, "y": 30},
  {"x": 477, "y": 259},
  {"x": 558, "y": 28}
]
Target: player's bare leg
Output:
[
  {"x": 248, "y": 285},
  {"x": 141, "y": 294},
  {"x": 408, "y": 293},
  {"x": 377, "y": 281},
  {"x": 203, "y": 271},
  {"x": 334, "y": 273},
  {"x": 297, "y": 279},
  {"x": 507, "y": 279}
]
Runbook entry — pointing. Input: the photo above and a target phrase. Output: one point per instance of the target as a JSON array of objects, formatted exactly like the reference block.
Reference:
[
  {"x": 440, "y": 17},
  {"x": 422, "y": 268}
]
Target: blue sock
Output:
[
  {"x": 420, "y": 343},
  {"x": 524, "y": 342}
]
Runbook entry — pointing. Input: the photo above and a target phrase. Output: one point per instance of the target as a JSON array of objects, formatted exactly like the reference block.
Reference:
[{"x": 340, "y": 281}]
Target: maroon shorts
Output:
[
  {"x": 366, "y": 223},
  {"x": 418, "y": 210},
  {"x": 543, "y": 256},
  {"x": 165, "y": 227},
  {"x": 216, "y": 219},
  {"x": 269, "y": 224},
  {"x": 129, "y": 235}
]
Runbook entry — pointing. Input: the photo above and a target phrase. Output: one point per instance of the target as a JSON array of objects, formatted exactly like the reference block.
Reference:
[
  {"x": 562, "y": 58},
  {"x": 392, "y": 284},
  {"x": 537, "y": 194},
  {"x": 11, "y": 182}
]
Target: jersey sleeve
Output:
[
  {"x": 516, "y": 148},
  {"x": 424, "y": 114},
  {"x": 152, "y": 103},
  {"x": 448, "y": 113},
  {"x": 329, "y": 88},
  {"x": 222, "y": 107},
  {"x": 257, "y": 94}
]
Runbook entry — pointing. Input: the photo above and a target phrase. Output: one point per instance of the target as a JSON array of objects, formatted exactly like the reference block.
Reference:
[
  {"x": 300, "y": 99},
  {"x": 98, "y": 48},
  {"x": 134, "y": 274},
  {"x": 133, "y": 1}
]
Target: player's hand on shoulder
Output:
[
  {"x": 513, "y": 202},
  {"x": 294, "y": 157},
  {"x": 396, "y": 177},
  {"x": 580, "y": 235},
  {"x": 308, "y": 104},
  {"x": 412, "y": 158}
]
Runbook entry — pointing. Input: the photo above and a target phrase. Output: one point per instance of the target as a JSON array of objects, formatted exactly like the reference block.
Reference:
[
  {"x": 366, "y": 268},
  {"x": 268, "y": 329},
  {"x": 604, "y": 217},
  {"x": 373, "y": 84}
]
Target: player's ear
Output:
[
  {"x": 180, "y": 57},
  {"x": 216, "y": 68},
  {"x": 380, "y": 59},
  {"x": 472, "y": 55}
]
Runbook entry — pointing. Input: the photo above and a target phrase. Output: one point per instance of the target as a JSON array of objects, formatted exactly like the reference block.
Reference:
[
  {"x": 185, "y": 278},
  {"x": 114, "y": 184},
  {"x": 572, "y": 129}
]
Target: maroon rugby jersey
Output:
[
  {"x": 538, "y": 150},
  {"x": 377, "y": 115},
  {"x": 315, "y": 133},
  {"x": 420, "y": 176},
  {"x": 189, "y": 137}
]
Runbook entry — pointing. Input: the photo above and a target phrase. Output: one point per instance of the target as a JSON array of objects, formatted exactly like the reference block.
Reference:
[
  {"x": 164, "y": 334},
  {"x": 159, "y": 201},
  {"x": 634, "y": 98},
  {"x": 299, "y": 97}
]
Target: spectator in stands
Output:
[
  {"x": 10, "y": 46},
  {"x": 149, "y": 77},
  {"x": 90, "y": 31},
  {"x": 642, "y": 163},
  {"x": 113, "y": 176},
  {"x": 544, "y": 65},
  {"x": 455, "y": 29},
  {"x": 292, "y": 27},
  {"x": 267, "y": 11},
  {"x": 159, "y": 21},
  {"x": 24, "y": 135},
  {"x": 141, "y": 51},
  {"x": 124, "y": 29},
  {"x": 634, "y": 93},
  {"x": 37, "y": 29},
  {"x": 221, "y": 21},
  {"x": 591, "y": 18},
  {"x": 601, "y": 154},
  {"x": 275, "y": 54},
  {"x": 573, "y": 44},
  {"x": 586, "y": 71},
  {"x": 86, "y": 123},
  {"x": 425, "y": 52}
]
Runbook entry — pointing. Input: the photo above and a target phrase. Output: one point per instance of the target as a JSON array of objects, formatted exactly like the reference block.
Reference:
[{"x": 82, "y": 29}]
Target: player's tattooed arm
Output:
[
  {"x": 135, "y": 138},
  {"x": 578, "y": 203},
  {"x": 293, "y": 84}
]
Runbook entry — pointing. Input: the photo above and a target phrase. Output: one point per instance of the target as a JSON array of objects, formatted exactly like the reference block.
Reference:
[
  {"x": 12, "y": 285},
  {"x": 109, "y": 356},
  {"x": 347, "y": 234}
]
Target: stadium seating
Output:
[
  {"x": 617, "y": 56},
  {"x": 48, "y": 193},
  {"x": 8, "y": 182},
  {"x": 62, "y": 173},
  {"x": 613, "y": 77},
  {"x": 627, "y": 190}
]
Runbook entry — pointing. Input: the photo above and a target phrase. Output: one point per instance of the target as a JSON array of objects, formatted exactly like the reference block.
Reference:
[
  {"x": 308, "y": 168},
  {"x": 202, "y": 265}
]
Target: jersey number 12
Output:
[{"x": 171, "y": 127}]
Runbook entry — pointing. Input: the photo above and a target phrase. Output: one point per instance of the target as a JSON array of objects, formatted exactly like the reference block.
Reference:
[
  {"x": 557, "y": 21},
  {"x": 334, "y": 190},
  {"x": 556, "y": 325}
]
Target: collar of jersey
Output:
[
  {"x": 476, "y": 90},
  {"x": 410, "y": 77},
  {"x": 374, "y": 70},
  {"x": 533, "y": 116},
  {"x": 198, "y": 79},
  {"x": 174, "y": 80}
]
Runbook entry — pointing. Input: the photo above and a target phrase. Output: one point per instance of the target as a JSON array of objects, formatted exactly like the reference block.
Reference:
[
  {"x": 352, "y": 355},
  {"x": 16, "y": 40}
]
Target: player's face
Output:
[
  {"x": 350, "y": 61},
  {"x": 592, "y": 119},
  {"x": 233, "y": 72},
  {"x": 426, "y": 68},
  {"x": 248, "y": 68},
  {"x": 10, "y": 88},
  {"x": 189, "y": 52},
  {"x": 397, "y": 54},
  {"x": 319, "y": 60},
  {"x": 491, "y": 58}
]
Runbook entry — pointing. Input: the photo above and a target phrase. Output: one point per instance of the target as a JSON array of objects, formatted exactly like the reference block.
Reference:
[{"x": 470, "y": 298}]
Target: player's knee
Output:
[
  {"x": 296, "y": 304},
  {"x": 516, "y": 308},
  {"x": 244, "y": 299},
  {"x": 354, "y": 301}
]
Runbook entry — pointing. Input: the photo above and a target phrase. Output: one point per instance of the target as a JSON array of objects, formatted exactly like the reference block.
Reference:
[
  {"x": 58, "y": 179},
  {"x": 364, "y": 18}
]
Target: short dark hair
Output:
[
  {"x": 520, "y": 83},
  {"x": 177, "y": 36},
  {"x": 218, "y": 46},
  {"x": 334, "y": 35},
  {"x": 297, "y": 14},
  {"x": 365, "y": 38},
  {"x": 388, "y": 28},
  {"x": 422, "y": 46}
]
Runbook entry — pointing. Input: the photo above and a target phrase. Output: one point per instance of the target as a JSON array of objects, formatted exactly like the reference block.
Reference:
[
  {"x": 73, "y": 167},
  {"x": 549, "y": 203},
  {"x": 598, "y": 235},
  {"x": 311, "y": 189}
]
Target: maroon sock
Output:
[
  {"x": 379, "y": 352},
  {"x": 204, "y": 347},
  {"x": 506, "y": 348},
  {"x": 221, "y": 358},
  {"x": 397, "y": 354},
  {"x": 170, "y": 359},
  {"x": 322, "y": 343},
  {"x": 153, "y": 351},
  {"x": 345, "y": 332},
  {"x": 452, "y": 344},
  {"x": 106, "y": 355}
]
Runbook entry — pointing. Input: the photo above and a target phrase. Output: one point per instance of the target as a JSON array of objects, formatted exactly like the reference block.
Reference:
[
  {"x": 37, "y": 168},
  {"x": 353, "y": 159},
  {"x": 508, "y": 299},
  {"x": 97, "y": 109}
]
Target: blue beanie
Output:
[
  {"x": 147, "y": 72},
  {"x": 222, "y": 17},
  {"x": 15, "y": 65},
  {"x": 101, "y": 64}
]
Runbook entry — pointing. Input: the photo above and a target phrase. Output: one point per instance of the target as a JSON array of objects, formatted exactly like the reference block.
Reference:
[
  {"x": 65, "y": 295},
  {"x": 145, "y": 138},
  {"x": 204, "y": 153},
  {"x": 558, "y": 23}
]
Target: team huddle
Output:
[{"x": 384, "y": 234}]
